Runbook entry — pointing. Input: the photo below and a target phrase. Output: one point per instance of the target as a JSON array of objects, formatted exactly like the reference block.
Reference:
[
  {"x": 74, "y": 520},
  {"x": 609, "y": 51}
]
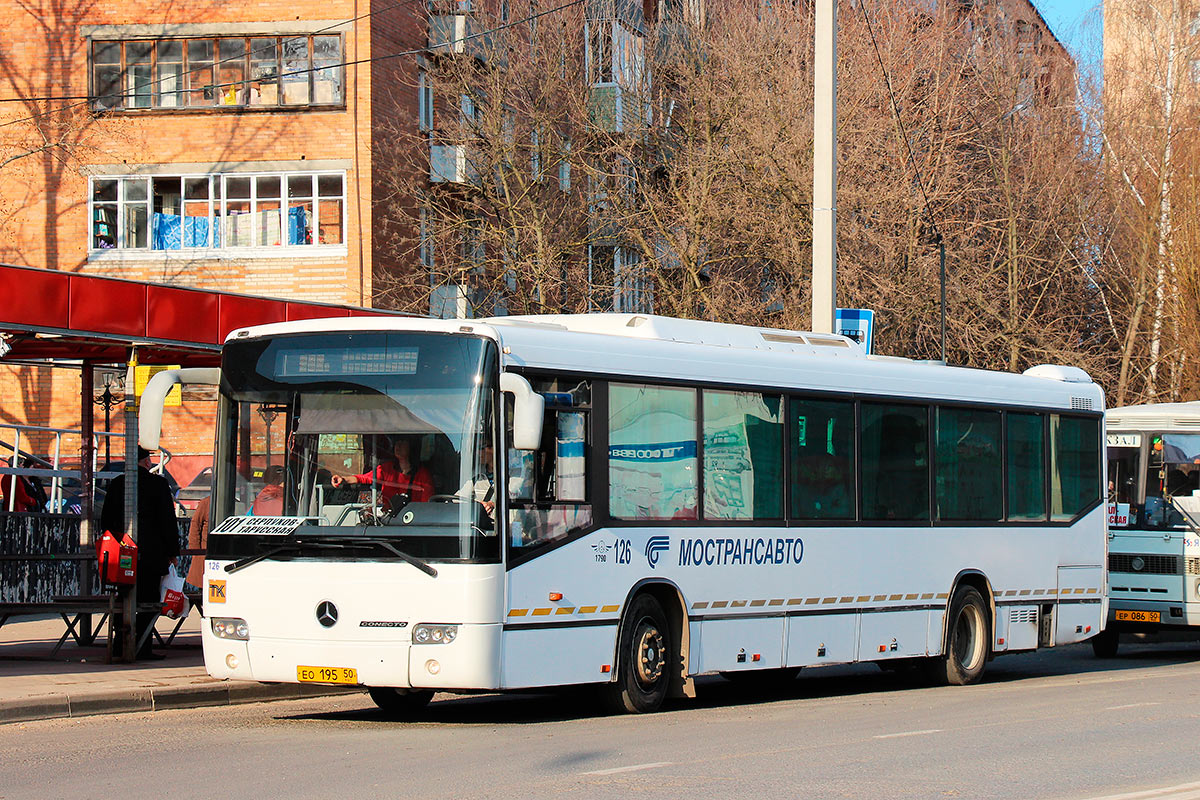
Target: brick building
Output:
[{"x": 224, "y": 146}]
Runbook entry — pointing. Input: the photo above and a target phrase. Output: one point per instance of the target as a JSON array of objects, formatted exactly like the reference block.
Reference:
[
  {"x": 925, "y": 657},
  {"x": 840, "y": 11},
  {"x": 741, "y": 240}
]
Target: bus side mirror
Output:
[{"x": 528, "y": 410}]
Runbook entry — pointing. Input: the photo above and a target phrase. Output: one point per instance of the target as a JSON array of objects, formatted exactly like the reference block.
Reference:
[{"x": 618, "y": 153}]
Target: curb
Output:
[{"x": 128, "y": 701}]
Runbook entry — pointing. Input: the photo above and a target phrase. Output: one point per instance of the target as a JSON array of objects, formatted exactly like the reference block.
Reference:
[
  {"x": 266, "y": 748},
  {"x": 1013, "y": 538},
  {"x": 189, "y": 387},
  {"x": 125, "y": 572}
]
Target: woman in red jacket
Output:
[{"x": 403, "y": 474}]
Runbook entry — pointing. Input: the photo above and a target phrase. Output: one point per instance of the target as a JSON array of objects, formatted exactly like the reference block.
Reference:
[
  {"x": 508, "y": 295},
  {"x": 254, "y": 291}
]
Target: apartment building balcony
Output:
[
  {"x": 452, "y": 164},
  {"x": 458, "y": 34},
  {"x": 617, "y": 110}
]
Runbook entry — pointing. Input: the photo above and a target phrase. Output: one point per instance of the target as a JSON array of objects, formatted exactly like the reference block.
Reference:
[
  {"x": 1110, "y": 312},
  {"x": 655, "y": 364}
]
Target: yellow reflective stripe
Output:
[{"x": 518, "y": 612}]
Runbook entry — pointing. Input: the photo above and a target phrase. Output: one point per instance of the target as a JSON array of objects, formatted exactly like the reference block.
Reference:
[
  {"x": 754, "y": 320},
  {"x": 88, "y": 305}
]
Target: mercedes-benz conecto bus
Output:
[
  {"x": 1153, "y": 514},
  {"x": 630, "y": 501}
]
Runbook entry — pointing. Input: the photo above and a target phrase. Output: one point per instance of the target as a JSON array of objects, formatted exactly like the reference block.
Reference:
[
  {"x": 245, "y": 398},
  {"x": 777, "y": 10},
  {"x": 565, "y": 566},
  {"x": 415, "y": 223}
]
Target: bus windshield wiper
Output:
[
  {"x": 263, "y": 556},
  {"x": 424, "y": 566}
]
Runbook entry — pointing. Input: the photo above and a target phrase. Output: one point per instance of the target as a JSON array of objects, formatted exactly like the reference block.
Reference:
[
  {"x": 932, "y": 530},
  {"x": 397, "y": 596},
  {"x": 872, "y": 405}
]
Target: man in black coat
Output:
[{"x": 157, "y": 535}]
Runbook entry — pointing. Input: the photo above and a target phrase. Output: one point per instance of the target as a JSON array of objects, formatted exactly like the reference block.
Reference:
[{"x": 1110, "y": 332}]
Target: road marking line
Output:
[
  {"x": 633, "y": 768},
  {"x": 1183, "y": 791},
  {"x": 1131, "y": 705},
  {"x": 906, "y": 733}
]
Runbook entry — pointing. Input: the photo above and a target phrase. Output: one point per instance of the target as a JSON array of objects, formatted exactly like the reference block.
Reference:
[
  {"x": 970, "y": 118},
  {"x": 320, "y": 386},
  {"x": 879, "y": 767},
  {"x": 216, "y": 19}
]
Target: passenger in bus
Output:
[
  {"x": 482, "y": 488},
  {"x": 269, "y": 501},
  {"x": 403, "y": 474}
]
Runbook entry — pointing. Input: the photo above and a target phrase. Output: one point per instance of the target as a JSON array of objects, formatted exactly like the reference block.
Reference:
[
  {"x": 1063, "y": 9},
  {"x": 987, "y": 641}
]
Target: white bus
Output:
[
  {"x": 1153, "y": 514},
  {"x": 675, "y": 498}
]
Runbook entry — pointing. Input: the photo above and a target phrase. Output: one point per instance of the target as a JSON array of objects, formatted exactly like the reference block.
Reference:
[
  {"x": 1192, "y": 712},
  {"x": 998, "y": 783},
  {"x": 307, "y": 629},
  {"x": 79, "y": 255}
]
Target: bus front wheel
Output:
[
  {"x": 643, "y": 659},
  {"x": 1105, "y": 643},
  {"x": 968, "y": 641},
  {"x": 399, "y": 702}
]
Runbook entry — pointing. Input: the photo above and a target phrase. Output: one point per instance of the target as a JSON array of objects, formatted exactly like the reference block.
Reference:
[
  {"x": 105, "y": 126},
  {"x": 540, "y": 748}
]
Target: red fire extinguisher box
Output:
[{"x": 118, "y": 559}]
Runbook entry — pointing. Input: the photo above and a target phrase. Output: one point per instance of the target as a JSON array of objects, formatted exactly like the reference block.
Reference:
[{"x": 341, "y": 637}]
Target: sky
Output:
[{"x": 1076, "y": 23}]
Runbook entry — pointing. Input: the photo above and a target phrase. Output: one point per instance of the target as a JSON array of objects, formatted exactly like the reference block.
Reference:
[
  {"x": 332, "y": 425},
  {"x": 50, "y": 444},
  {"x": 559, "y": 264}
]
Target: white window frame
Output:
[
  {"x": 217, "y": 212},
  {"x": 424, "y": 101}
]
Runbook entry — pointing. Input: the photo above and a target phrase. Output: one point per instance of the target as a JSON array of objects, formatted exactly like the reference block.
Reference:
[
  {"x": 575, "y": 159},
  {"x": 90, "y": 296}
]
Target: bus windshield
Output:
[{"x": 357, "y": 445}]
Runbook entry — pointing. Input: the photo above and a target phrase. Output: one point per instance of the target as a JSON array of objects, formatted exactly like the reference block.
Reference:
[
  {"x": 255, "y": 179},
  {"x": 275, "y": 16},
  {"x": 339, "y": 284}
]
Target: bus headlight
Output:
[
  {"x": 230, "y": 628},
  {"x": 434, "y": 634},
  {"x": 1198, "y": 588}
]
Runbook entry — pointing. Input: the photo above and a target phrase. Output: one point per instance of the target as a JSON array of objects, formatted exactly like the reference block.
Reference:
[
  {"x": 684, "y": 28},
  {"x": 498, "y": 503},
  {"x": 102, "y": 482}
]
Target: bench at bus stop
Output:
[{"x": 76, "y": 612}]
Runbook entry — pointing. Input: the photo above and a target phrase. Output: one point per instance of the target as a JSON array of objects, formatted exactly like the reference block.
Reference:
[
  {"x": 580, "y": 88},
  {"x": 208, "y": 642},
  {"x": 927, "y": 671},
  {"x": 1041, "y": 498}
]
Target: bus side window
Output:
[{"x": 548, "y": 487}]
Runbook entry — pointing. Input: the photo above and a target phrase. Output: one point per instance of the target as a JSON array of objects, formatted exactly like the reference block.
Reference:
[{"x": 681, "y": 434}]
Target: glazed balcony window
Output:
[{"x": 225, "y": 73}]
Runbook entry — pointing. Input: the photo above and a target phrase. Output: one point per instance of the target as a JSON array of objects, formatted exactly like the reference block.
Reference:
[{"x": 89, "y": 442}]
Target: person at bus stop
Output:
[
  {"x": 157, "y": 538},
  {"x": 198, "y": 540},
  {"x": 402, "y": 474}
]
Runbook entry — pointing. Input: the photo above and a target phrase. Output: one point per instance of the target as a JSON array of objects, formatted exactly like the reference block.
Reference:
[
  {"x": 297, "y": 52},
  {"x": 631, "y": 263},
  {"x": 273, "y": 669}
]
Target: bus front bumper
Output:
[{"x": 471, "y": 661}]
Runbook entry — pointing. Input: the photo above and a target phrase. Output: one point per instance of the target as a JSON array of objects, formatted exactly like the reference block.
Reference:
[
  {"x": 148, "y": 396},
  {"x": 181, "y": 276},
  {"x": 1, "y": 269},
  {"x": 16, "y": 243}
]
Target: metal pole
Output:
[
  {"x": 942, "y": 274},
  {"x": 131, "y": 499},
  {"x": 824, "y": 246}
]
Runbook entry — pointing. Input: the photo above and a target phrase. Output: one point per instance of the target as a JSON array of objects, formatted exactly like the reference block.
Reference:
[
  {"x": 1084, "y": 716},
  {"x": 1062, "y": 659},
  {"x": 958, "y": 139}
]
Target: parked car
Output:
[{"x": 190, "y": 496}]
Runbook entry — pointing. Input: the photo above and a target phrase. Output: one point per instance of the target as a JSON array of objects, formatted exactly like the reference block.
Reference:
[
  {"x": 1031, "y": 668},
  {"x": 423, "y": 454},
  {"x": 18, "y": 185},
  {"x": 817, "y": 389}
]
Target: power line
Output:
[{"x": 941, "y": 242}]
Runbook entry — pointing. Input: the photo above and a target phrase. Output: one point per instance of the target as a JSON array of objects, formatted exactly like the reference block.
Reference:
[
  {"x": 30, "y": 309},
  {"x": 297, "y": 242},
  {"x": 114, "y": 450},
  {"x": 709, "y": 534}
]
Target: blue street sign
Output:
[{"x": 856, "y": 323}]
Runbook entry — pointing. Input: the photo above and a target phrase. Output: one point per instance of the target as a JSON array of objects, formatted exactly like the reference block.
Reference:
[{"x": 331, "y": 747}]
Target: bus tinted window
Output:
[
  {"x": 895, "y": 462},
  {"x": 1075, "y": 466},
  {"x": 1026, "y": 467},
  {"x": 743, "y": 455},
  {"x": 822, "y": 453},
  {"x": 968, "y": 478},
  {"x": 651, "y": 452}
]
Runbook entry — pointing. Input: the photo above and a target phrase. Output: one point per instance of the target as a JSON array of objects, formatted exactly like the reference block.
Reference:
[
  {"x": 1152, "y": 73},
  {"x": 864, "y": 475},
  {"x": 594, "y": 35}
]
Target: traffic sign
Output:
[{"x": 858, "y": 324}]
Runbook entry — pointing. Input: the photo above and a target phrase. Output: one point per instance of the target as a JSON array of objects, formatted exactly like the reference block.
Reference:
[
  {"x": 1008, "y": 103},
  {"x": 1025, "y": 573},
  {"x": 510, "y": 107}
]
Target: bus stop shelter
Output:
[{"x": 53, "y": 318}]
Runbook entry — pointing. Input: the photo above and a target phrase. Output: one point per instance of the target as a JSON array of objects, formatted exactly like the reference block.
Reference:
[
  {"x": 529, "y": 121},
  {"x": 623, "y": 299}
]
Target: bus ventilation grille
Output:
[
  {"x": 1193, "y": 565},
  {"x": 1143, "y": 564},
  {"x": 1081, "y": 403},
  {"x": 1018, "y": 616}
]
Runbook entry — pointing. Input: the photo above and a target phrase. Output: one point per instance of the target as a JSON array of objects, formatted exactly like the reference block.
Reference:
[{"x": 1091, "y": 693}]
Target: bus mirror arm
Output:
[
  {"x": 528, "y": 410},
  {"x": 155, "y": 394}
]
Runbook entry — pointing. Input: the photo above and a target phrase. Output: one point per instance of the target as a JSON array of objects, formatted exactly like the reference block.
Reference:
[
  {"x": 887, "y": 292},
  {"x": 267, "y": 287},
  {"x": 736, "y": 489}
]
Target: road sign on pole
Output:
[{"x": 858, "y": 324}]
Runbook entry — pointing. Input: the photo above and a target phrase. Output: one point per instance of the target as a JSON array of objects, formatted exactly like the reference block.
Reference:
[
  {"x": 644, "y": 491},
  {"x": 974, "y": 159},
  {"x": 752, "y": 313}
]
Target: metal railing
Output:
[{"x": 50, "y": 469}]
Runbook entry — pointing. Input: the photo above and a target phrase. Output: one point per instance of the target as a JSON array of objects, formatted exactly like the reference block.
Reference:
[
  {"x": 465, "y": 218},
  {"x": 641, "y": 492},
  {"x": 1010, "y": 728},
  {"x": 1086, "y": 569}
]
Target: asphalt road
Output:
[{"x": 1057, "y": 724}]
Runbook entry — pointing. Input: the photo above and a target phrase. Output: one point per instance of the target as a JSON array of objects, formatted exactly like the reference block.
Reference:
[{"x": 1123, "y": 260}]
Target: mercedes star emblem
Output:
[{"x": 327, "y": 614}]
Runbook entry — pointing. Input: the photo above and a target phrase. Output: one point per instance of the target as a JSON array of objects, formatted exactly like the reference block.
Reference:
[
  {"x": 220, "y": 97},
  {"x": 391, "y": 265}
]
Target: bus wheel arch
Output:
[
  {"x": 667, "y": 598},
  {"x": 966, "y": 631}
]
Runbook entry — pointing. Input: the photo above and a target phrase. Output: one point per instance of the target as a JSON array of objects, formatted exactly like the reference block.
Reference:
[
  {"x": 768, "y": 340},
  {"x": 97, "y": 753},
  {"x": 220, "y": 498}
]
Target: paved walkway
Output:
[{"x": 76, "y": 682}]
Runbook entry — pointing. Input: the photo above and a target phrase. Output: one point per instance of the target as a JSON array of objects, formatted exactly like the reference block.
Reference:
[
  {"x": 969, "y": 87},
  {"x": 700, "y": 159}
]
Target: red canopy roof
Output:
[{"x": 49, "y": 314}]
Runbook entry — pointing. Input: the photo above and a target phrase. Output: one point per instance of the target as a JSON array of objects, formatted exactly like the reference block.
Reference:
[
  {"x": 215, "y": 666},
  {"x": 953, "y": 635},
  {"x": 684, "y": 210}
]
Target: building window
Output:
[
  {"x": 600, "y": 51},
  {"x": 424, "y": 101},
  {"x": 180, "y": 212},
  {"x": 256, "y": 72}
]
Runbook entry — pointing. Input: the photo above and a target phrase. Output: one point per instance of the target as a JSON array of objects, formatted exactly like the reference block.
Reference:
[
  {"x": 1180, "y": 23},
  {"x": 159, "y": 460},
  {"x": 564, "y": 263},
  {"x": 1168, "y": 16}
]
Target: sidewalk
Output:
[{"x": 76, "y": 682}]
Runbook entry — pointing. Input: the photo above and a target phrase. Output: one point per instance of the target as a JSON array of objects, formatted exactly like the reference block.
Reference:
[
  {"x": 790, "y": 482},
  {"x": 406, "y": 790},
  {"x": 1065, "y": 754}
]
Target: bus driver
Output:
[{"x": 402, "y": 474}]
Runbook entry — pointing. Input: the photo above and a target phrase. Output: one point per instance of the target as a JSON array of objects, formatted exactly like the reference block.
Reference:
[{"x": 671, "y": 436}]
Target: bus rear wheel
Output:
[
  {"x": 968, "y": 642},
  {"x": 643, "y": 659},
  {"x": 401, "y": 703}
]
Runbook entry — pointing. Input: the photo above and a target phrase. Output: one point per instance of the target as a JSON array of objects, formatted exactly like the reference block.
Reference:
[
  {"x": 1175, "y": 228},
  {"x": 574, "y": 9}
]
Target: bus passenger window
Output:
[
  {"x": 895, "y": 462},
  {"x": 743, "y": 455},
  {"x": 651, "y": 452},
  {"x": 1026, "y": 467},
  {"x": 1075, "y": 465},
  {"x": 822, "y": 458},
  {"x": 968, "y": 476}
]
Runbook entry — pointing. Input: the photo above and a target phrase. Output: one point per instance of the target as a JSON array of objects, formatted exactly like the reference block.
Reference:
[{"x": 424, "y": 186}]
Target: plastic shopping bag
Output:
[{"x": 174, "y": 602}]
